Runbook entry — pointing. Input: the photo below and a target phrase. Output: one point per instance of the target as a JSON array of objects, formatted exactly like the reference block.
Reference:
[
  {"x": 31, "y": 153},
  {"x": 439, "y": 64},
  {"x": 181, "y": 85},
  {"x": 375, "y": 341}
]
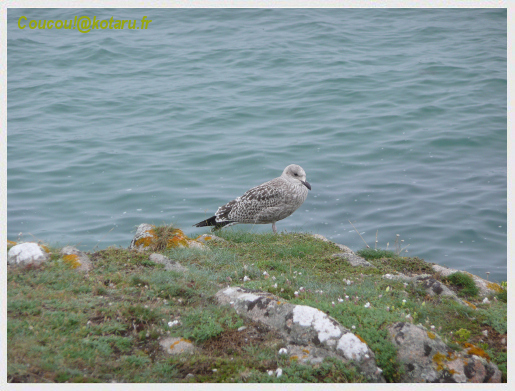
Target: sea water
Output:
[{"x": 398, "y": 117}]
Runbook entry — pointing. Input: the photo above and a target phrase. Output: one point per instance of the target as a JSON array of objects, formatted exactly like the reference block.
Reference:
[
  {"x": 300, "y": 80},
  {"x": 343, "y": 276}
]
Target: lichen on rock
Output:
[{"x": 27, "y": 254}]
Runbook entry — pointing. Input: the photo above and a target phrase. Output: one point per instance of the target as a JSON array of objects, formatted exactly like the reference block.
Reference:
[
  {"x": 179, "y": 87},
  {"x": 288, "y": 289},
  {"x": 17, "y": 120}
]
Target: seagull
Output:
[{"x": 264, "y": 204}]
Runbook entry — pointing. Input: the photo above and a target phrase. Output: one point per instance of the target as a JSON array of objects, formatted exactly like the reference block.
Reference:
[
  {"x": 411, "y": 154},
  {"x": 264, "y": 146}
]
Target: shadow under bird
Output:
[{"x": 264, "y": 204}]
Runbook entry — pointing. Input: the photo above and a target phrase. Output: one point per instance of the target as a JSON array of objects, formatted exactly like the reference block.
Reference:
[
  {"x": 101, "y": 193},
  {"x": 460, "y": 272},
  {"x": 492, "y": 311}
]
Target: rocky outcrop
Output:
[
  {"x": 310, "y": 335},
  {"x": 175, "y": 346},
  {"x": 76, "y": 258},
  {"x": 485, "y": 287},
  {"x": 346, "y": 253},
  {"x": 432, "y": 286},
  {"x": 28, "y": 254},
  {"x": 353, "y": 259},
  {"x": 146, "y": 238},
  {"x": 427, "y": 358},
  {"x": 169, "y": 264}
]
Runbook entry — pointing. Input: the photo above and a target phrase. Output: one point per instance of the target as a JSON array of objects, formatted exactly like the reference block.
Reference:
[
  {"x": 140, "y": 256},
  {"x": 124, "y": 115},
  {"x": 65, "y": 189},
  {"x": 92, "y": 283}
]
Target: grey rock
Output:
[
  {"x": 427, "y": 358},
  {"x": 76, "y": 258},
  {"x": 27, "y": 254},
  {"x": 403, "y": 277},
  {"x": 143, "y": 236},
  {"x": 309, "y": 333},
  {"x": 354, "y": 259},
  {"x": 169, "y": 263},
  {"x": 436, "y": 288},
  {"x": 485, "y": 287},
  {"x": 343, "y": 248},
  {"x": 176, "y": 346}
]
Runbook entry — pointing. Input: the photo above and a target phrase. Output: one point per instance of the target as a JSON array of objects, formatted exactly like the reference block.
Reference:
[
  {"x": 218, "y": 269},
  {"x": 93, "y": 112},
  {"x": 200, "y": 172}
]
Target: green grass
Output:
[
  {"x": 465, "y": 283},
  {"x": 65, "y": 326}
]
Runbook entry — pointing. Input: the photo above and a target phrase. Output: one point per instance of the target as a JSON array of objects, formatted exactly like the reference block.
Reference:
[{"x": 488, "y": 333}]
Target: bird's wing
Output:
[{"x": 252, "y": 202}]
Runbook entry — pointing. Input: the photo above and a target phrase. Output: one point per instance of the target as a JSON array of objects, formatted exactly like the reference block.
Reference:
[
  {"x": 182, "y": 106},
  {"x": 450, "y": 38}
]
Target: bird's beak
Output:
[{"x": 305, "y": 183}]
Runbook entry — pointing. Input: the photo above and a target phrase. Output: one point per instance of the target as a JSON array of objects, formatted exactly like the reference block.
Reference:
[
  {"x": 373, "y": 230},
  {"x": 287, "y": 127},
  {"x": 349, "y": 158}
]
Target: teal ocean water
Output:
[{"x": 398, "y": 116}]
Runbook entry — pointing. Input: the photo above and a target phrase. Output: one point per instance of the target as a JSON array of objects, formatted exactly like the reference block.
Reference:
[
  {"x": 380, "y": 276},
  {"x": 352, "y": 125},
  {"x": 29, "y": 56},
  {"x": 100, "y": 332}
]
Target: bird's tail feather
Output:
[{"x": 211, "y": 222}]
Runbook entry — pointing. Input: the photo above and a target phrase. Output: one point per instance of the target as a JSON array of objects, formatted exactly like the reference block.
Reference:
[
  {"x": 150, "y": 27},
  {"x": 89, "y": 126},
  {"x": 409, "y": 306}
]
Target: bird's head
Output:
[{"x": 295, "y": 174}]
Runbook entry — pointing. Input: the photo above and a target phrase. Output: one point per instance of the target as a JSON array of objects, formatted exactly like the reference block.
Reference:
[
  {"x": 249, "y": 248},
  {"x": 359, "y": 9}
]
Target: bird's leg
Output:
[{"x": 273, "y": 228}]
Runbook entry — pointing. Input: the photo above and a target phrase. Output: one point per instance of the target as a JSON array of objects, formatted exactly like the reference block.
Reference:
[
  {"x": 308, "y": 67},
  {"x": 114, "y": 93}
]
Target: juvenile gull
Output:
[{"x": 264, "y": 204}]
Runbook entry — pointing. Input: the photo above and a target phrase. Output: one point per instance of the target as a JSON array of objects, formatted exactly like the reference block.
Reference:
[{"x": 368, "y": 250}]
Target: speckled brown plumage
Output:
[{"x": 264, "y": 204}]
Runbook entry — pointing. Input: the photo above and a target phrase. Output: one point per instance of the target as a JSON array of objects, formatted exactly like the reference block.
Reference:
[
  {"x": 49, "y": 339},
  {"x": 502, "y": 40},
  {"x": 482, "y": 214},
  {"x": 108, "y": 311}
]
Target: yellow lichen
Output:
[
  {"x": 470, "y": 304},
  {"x": 45, "y": 248},
  {"x": 73, "y": 260},
  {"x": 472, "y": 349},
  {"x": 493, "y": 286},
  {"x": 439, "y": 359},
  {"x": 207, "y": 237},
  {"x": 294, "y": 358},
  {"x": 146, "y": 240},
  {"x": 431, "y": 335},
  {"x": 305, "y": 351},
  {"x": 361, "y": 339},
  {"x": 11, "y": 243},
  {"x": 172, "y": 346},
  {"x": 178, "y": 239}
]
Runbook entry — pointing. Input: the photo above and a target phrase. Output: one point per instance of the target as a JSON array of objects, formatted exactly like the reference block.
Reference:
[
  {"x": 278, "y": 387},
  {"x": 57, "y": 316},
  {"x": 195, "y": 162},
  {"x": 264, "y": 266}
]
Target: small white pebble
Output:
[
  {"x": 486, "y": 301},
  {"x": 353, "y": 327},
  {"x": 283, "y": 351},
  {"x": 246, "y": 279},
  {"x": 367, "y": 305},
  {"x": 367, "y": 356},
  {"x": 485, "y": 333},
  {"x": 270, "y": 372},
  {"x": 279, "y": 372},
  {"x": 242, "y": 328},
  {"x": 215, "y": 370}
]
